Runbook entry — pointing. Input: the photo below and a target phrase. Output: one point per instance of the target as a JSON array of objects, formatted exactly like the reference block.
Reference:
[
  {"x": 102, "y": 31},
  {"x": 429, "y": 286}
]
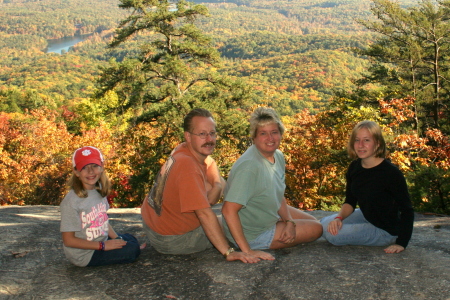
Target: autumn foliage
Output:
[
  {"x": 35, "y": 158},
  {"x": 315, "y": 149},
  {"x": 35, "y": 150},
  {"x": 33, "y": 154},
  {"x": 155, "y": 74}
]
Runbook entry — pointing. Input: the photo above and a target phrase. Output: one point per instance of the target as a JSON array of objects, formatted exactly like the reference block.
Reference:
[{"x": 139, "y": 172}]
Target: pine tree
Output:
[
  {"x": 174, "y": 71},
  {"x": 411, "y": 56}
]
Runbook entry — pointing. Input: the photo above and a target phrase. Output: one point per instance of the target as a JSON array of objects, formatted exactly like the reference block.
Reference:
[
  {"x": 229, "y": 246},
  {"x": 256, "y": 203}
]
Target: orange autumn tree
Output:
[
  {"x": 35, "y": 150},
  {"x": 316, "y": 155},
  {"x": 315, "y": 161},
  {"x": 33, "y": 157}
]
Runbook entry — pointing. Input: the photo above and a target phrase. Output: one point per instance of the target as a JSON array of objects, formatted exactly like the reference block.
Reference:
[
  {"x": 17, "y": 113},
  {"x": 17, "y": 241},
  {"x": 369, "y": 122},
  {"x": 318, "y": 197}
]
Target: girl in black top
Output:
[{"x": 385, "y": 216}]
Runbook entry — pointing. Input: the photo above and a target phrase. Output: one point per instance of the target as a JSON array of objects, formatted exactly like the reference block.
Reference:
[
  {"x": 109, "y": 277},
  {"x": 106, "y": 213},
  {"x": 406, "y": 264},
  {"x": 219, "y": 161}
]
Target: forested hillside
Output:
[
  {"x": 323, "y": 65},
  {"x": 57, "y": 19},
  {"x": 253, "y": 30}
]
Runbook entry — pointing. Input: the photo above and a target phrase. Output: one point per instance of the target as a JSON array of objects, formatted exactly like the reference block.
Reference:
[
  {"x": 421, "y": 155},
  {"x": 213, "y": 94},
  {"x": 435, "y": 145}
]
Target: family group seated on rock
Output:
[{"x": 177, "y": 214}]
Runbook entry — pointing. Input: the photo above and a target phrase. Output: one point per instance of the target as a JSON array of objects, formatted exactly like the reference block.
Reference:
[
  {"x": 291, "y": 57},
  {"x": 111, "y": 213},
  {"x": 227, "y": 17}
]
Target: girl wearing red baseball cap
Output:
[{"x": 89, "y": 239}]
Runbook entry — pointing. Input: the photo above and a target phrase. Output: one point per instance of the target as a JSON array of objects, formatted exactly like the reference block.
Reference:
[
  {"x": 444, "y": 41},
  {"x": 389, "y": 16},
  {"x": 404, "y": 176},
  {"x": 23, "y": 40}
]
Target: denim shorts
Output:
[{"x": 264, "y": 240}]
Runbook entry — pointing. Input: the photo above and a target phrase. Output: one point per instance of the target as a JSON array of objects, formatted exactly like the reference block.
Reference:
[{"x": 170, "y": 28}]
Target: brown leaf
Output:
[{"x": 19, "y": 254}]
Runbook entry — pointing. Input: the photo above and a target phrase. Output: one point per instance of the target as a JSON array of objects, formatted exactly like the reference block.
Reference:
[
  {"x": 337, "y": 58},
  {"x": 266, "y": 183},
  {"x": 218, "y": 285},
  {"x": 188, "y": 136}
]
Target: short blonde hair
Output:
[
  {"x": 375, "y": 130},
  {"x": 262, "y": 116}
]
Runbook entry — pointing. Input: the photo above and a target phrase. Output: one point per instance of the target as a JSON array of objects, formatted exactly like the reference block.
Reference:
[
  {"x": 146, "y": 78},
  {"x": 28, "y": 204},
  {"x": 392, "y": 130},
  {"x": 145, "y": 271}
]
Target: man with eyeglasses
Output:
[{"x": 177, "y": 214}]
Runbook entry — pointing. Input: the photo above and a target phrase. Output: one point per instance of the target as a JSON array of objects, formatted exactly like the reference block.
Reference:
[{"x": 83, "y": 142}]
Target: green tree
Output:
[
  {"x": 175, "y": 71},
  {"x": 411, "y": 58}
]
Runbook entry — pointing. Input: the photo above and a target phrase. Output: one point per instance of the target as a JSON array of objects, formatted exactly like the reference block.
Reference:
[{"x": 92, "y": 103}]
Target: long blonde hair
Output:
[
  {"x": 103, "y": 185},
  {"x": 375, "y": 130}
]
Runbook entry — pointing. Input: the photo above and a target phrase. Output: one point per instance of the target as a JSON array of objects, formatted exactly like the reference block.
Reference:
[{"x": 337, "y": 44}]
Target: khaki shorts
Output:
[{"x": 190, "y": 242}]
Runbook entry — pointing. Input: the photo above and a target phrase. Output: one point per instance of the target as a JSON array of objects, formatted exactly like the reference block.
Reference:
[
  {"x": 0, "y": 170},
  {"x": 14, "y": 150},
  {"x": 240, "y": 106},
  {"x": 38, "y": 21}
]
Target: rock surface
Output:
[{"x": 33, "y": 266}]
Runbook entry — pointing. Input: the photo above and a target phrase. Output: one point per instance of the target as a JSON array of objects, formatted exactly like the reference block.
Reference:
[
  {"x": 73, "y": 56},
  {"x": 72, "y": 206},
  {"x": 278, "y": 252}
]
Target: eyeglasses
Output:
[{"x": 204, "y": 134}]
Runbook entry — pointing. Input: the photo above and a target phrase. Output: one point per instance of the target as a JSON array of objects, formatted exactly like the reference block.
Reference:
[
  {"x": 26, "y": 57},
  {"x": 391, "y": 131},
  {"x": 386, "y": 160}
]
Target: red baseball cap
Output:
[{"x": 86, "y": 155}]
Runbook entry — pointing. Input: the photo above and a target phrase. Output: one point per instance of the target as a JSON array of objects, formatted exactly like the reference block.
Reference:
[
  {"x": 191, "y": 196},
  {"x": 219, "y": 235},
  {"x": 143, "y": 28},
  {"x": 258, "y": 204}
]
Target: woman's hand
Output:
[
  {"x": 334, "y": 226},
  {"x": 288, "y": 234},
  {"x": 394, "y": 249},
  {"x": 261, "y": 254},
  {"x": 114, "y": 244},
  {"x": 242, "y": 256}
]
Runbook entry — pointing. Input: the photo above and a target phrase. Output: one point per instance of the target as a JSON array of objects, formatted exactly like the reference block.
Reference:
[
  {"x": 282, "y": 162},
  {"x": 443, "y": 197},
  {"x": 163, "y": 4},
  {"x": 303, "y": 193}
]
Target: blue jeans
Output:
[
  {"x": 356, "y": 230},
  {"x": 127, "y": 254}
]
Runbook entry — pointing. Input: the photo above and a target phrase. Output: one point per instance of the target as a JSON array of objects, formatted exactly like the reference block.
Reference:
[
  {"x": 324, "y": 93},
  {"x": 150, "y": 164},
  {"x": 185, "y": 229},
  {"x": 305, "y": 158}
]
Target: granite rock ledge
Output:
[{"x": 33, "y": 266}]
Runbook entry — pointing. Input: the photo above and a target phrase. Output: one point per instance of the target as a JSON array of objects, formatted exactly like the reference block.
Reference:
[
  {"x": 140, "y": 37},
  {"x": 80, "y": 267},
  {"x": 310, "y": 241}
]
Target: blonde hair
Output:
[
  {"x": 375, "y": 130},
  {"x": 262, "y": 116},
  {"x": 103, "y": 185}
]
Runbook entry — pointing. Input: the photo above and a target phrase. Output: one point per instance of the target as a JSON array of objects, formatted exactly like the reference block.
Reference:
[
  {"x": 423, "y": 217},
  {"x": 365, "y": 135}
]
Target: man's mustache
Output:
[{"x": 209, "y": 144}]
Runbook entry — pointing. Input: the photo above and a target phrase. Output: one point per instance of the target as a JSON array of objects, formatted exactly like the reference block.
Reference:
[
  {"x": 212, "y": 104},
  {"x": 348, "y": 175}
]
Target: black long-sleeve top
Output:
[{"x": 383, "y": 198}]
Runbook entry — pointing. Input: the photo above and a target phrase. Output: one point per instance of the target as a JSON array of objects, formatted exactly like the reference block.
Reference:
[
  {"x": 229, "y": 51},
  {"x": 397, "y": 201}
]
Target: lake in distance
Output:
[{"x": 58, "y": 45}]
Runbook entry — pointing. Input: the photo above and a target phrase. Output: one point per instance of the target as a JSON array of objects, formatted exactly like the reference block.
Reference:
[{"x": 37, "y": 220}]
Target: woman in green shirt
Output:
[{"x": 256, "y": 215}]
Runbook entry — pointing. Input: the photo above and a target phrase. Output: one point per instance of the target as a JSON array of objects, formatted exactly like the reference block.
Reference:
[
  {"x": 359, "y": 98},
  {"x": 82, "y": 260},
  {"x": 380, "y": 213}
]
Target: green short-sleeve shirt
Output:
[{"x": 258, "y": 185}]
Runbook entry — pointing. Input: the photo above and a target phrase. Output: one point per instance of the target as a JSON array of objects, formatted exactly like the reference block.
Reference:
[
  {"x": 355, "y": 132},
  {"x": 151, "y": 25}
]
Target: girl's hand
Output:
[
  {"x": 394, "y": 249},
  {"x": 114, "y": 244},
  {"x": 288, "y": 234},
  {"x": 261, "y": 254},
  {"x": 334, "y": 226}
]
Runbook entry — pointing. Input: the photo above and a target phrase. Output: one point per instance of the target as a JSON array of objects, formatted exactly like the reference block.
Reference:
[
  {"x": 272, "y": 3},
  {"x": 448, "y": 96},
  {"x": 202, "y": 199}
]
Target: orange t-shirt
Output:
[{"x": 180, "y": 189}]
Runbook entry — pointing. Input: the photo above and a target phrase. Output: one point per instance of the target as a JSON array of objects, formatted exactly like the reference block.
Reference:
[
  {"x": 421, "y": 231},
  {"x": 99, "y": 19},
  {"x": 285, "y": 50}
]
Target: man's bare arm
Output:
[
  {"x": 213, "y": 231},
  {"x": 215, "y": 180}
]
